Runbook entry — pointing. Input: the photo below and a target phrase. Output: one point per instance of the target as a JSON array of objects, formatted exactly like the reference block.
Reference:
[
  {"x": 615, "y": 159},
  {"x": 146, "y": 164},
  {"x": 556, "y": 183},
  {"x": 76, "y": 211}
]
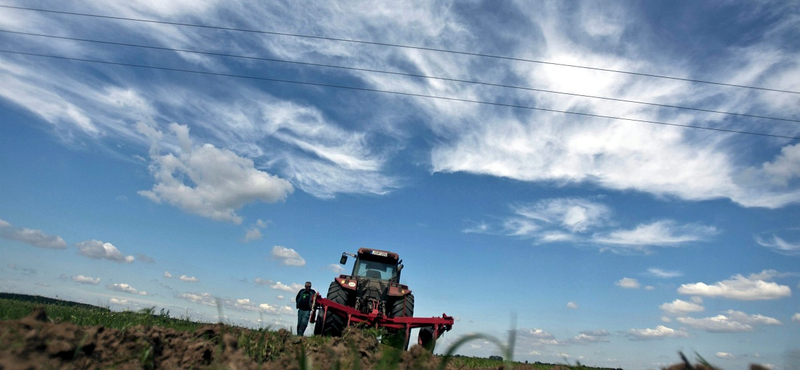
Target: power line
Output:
[
  {"x": 363, "y": 42},
  {"x": 583, "y": 114},
  {"x": 402, "y": 74}
]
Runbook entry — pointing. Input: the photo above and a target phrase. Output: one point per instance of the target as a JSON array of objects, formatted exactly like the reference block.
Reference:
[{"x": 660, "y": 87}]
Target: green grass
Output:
[{"x": 11, "y": 309}]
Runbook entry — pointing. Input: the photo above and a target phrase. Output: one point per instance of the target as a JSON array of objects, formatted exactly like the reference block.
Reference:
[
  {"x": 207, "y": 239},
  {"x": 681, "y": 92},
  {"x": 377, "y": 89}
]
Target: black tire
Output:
[
  {"x": 425, "y": 339},
  {"x": 333, "y": 325},
  {"x": 401, "y": 307}
]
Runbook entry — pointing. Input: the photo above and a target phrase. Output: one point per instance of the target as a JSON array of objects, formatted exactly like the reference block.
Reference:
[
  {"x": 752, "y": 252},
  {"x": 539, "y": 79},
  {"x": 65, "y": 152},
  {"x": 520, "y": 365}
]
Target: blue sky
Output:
[{"x": 613, "y": 242}]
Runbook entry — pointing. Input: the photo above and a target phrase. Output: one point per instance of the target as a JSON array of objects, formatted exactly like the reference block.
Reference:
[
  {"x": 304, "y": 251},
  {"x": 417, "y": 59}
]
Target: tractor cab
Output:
[{"x": 375, "y": 264}]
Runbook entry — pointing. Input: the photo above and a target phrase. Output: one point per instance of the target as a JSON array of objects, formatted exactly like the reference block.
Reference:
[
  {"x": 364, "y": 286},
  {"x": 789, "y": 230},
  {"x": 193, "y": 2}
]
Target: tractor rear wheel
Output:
[
  {"x": 333, "y": 325},
  {"x": 401, "y": 307}
]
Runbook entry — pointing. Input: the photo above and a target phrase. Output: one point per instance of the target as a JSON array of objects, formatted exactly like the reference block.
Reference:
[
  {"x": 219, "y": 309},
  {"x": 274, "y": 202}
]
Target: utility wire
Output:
[
  {"x": 583, "y": 114},
  {"x": 363, "y": 42},
  {"x": 401, "y": 74}
]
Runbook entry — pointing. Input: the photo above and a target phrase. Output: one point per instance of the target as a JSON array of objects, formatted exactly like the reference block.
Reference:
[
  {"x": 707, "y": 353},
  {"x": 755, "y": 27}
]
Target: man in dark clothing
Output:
[{"x": 304, "y": 303}]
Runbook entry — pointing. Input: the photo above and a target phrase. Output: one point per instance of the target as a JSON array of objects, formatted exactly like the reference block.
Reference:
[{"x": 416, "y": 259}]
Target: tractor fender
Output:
[
  {"x": 346, "y": 282},
  {"x": 398, "y": 290}
]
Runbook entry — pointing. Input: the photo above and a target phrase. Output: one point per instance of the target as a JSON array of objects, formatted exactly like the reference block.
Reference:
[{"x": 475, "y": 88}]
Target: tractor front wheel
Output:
[
  {"x": 333, "y": 325},
  {"x": 401, "y": 307}
]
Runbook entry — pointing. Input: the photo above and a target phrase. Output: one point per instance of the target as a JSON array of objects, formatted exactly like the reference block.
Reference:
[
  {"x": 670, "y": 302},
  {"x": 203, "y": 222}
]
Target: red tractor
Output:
[{"x": 372, "y": 295}]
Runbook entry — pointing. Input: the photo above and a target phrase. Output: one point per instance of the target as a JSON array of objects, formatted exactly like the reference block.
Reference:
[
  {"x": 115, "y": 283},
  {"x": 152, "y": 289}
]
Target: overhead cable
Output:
[
  {"x": 583, "y": 114},
  {"x": 401, "y": 74},
  {"x": 363, "y": 42}
]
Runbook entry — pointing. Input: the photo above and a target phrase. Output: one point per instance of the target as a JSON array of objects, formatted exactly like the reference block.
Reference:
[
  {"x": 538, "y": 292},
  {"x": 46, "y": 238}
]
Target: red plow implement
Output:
[{"x": 431, "y": 328}]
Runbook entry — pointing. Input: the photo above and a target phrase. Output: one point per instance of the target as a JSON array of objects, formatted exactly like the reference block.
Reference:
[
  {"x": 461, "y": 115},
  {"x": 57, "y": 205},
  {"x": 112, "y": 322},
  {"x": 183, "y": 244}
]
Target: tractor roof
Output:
[{"x": 378, "y": 252}]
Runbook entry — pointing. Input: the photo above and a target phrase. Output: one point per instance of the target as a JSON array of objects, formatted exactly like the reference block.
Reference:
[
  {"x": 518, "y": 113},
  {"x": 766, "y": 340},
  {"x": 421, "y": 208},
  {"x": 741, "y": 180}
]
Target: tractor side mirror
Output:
[
  {"x": 399, "y": 268},
  {"x": 343, "y": 260}
]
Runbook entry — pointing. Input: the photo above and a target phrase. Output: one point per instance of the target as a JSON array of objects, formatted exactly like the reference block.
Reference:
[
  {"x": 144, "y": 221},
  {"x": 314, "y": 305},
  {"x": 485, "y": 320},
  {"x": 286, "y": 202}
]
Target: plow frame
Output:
[{"x": 438, "y": 325}]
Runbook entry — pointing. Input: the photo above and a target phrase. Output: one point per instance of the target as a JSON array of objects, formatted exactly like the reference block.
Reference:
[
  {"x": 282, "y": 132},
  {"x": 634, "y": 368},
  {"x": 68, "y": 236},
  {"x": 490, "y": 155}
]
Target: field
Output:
[{"x": 38, "y": 332}]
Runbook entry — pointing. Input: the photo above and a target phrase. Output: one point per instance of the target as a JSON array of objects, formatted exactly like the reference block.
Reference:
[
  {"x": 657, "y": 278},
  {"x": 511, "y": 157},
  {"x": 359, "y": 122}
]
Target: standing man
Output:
[{"x": 304, "y": 303}]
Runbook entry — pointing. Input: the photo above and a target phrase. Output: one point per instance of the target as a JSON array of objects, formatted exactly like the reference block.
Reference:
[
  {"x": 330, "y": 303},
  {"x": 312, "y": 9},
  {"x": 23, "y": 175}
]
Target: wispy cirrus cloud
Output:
[
  {"x": 663, "y": 274},
  {"x": 587, "y": 222},
  {"x": 665, "y": 233},
  {"x": 779, "y": 245}
]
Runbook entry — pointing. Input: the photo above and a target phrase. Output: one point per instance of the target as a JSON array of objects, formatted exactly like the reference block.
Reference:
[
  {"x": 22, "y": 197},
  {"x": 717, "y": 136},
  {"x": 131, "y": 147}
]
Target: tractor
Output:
[{"x": 372, "y": 295}]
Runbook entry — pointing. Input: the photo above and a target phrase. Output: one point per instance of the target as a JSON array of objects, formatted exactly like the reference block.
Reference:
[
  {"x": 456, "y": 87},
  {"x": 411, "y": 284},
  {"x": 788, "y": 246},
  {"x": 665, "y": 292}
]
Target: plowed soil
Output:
[{"x": 35, "y": 342}]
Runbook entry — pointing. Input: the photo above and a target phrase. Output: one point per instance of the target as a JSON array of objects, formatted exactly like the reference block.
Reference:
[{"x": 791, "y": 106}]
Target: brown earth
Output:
[{"x": 35, "y": 342}]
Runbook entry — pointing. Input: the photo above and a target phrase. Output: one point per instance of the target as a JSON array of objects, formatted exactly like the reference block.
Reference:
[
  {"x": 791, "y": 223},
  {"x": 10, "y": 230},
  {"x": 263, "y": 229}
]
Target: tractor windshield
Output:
[{"x": 375, "y": 269}]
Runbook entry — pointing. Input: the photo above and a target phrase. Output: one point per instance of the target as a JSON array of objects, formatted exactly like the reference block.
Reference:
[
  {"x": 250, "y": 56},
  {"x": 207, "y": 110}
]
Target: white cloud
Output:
[
  {"x": 679, "y": 307},
  {"x": 535, "y": 333},
  {"x": 252, "y": 234},
  {"x": 590, "y": 336},
  {"x": 336, "y": 268},
  {"x": 572, "y": 305},
  {"x": 725, "y": 356},
  {"x": 286, "y": 310},
  {"x": 288, "y": 256},
  {"x": 738, "y": 287},
  {"x": 796, "y": 317},
  {"x": 572, "y": 214},
  {"x": 780, "y": 245},
  {"x": 144, "y": 258},
  {"x": 732, "y": 322},
  {"x": 663, "y": 233},
  {"x": 99, "y": 250},
  {"x": 86, "y": 280},
  {"x": 122, "y": 287},
  {"x": 117, "y": 301},
  {"x": 208, "y": 181},
  {"x": 167, "y": 275},
  {"x": 191, "y": 279},
  {"x": 477, "y": 228},
  {"x": 659, "y": 273},
  {"x": 260, "y": 281},
  {"x": 660, "y": 332},
  {"x": 268, "y": 308},
  {"x": 537, "y": 337},
  {"x": 243, "y": 304},
  {"x": 205, "y": 299},
  {"x": 628, "y": 283},
  {"x": 36, "y": 238},
  {"x": 287, "y": 288}
]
